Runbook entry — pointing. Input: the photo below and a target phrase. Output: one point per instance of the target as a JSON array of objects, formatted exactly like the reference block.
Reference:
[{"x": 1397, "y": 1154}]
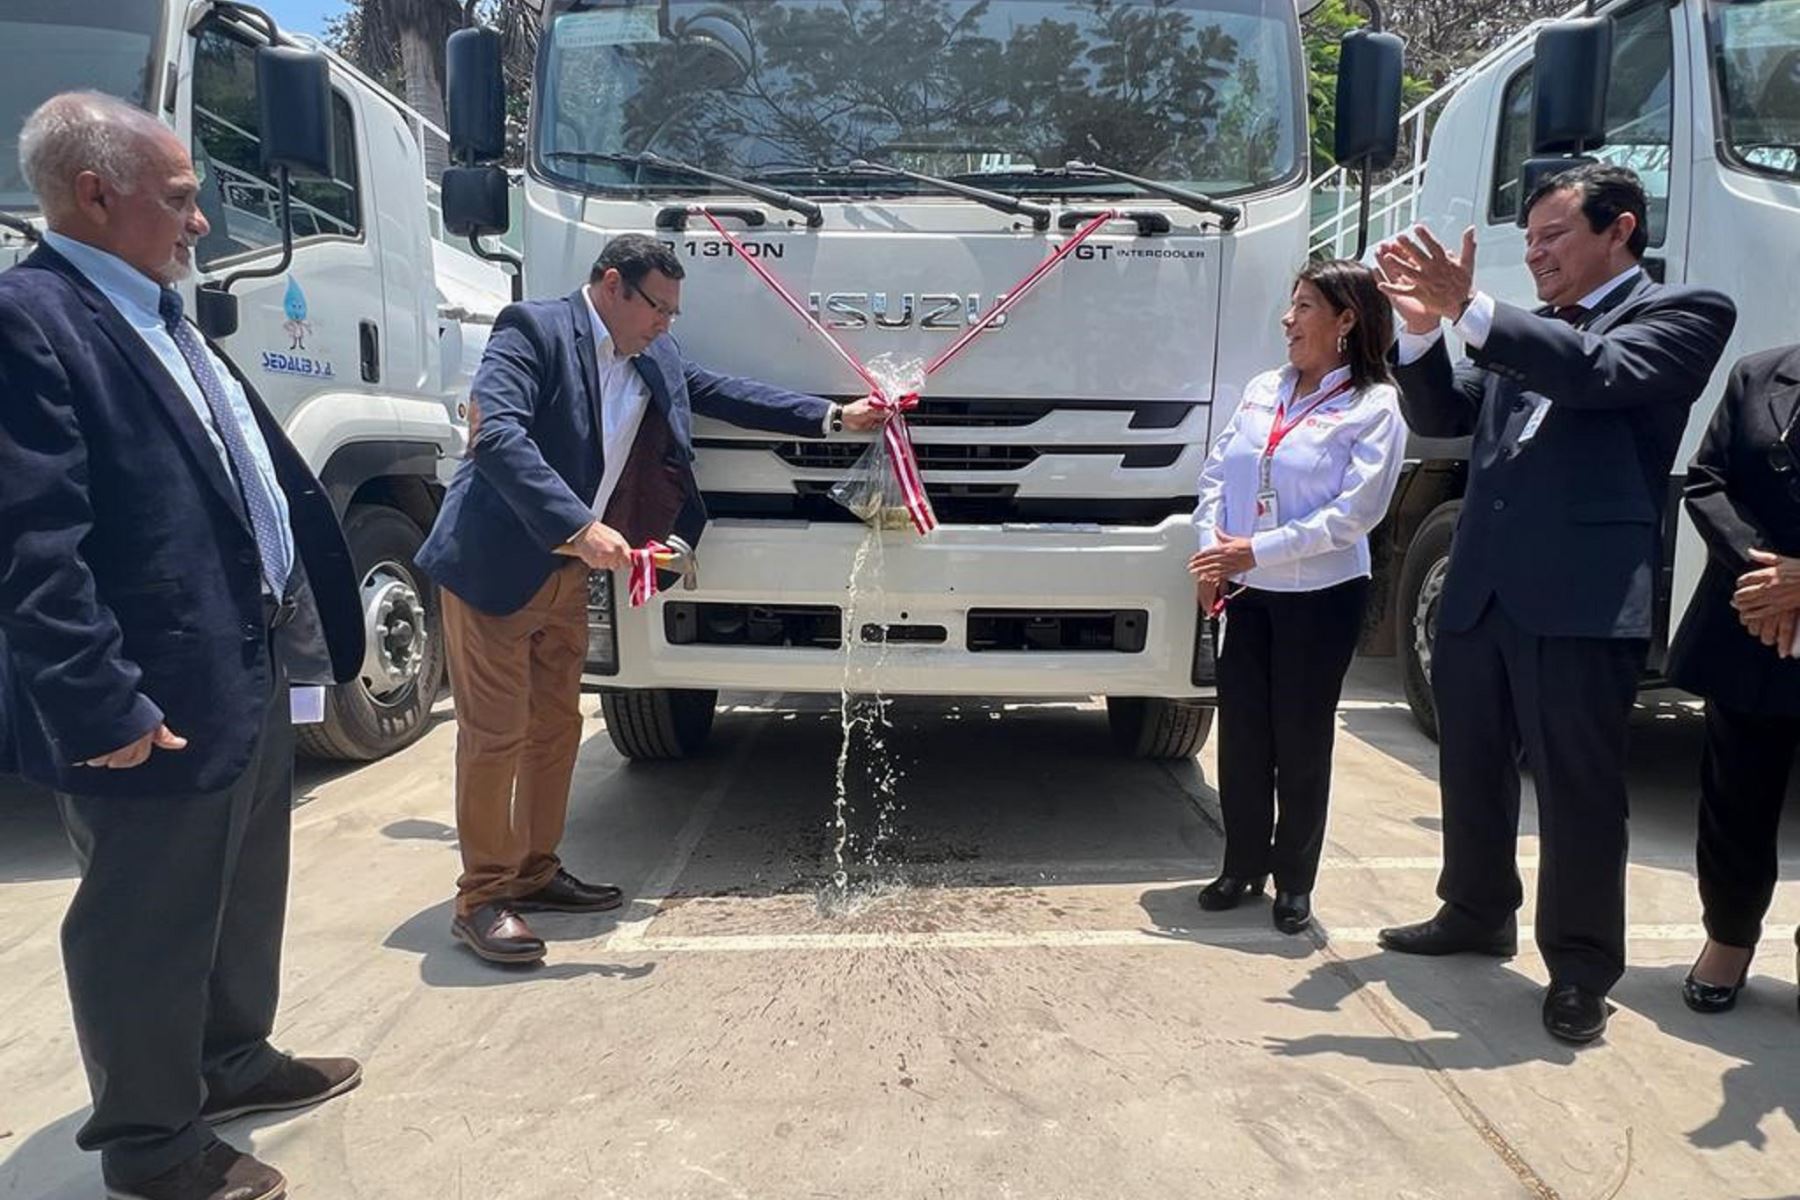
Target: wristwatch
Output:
[{"x": 837, "y": 418}]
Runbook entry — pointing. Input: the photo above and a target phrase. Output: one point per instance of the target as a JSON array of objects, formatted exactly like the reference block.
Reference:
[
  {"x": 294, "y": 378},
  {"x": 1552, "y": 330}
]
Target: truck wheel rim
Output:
[
  {"x": 394, "y": 628},
  {"x": 1425, "y": 614}
]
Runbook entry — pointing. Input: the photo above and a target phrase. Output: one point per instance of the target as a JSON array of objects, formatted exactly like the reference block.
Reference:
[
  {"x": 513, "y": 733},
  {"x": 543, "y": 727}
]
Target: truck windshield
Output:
[
  {"x": 1756, "y": 52},
  {"x": 62, "y": 45},
  {"x": 1208, "y": 94}
]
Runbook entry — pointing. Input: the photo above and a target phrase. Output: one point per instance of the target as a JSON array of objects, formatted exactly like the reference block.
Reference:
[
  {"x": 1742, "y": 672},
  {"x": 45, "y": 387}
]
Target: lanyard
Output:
[{"x": 1281, "y": 426}]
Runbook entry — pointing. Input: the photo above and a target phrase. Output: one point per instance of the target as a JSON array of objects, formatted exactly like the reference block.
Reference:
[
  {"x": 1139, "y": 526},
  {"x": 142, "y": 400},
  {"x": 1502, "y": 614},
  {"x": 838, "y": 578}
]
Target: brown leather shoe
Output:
[
  {"x": 565, "y": 893},
  {"x": 498, "y": 934},
  {"x": 219, "y": 1172},
  {"x": 292, "y": 1083}
]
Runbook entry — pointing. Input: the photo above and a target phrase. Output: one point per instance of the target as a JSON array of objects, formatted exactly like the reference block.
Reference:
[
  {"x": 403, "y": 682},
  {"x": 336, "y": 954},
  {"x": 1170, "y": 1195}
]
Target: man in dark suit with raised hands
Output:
[{"x": 1576, "y": 410}]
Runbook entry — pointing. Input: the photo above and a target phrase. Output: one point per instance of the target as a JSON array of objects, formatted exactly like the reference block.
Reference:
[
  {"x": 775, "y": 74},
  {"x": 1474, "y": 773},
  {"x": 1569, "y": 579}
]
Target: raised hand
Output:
[{"x": 1424, "y": 280}]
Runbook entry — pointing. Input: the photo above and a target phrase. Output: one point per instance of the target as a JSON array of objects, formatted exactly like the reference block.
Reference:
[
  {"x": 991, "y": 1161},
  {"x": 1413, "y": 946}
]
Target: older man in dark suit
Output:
[
  {"x": 168, "y": 567},
  {"x": 1576, "y": 410},
  {"x": 584, "y": 449}
]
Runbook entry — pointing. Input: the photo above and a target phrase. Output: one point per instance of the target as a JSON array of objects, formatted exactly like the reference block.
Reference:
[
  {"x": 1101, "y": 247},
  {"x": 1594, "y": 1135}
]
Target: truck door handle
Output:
[{"x": 371, "y": 352}]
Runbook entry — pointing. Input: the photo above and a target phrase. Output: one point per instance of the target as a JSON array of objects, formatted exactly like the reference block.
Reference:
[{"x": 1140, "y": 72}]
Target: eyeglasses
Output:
[{"x": 662, "y": 310}]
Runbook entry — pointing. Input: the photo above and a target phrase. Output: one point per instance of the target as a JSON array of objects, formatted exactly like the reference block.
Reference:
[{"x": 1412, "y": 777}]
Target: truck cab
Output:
[
  {"x": 354, "y": 323},
  {"x": 1061, "y": 450}
]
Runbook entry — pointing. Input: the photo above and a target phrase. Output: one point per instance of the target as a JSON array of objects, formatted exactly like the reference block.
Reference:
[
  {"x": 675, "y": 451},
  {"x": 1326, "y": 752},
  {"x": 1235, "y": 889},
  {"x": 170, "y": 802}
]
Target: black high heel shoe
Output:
[
  {"x": 1229, "y": 891},
  {"x": 1709, "y": 998},
  {"x": 1292, "y": 911}
]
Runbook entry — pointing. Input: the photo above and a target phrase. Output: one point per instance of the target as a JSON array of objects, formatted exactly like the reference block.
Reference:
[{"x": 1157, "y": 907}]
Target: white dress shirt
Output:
[
  {"x": 1478, "y": 319},
  {"x": 623, "y": 396},
  {"x": 1332, "y": 474}
]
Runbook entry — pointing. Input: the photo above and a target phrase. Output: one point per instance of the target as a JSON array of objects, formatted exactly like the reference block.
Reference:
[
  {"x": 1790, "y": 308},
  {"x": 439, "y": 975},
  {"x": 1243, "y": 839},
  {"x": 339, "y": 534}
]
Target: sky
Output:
[{"x": 303, "y": 16}]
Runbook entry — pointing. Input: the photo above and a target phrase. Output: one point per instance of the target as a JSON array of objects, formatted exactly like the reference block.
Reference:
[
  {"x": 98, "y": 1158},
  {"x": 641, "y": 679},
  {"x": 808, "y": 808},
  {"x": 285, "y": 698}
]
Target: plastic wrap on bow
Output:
[{"x": 884, "y": 488}]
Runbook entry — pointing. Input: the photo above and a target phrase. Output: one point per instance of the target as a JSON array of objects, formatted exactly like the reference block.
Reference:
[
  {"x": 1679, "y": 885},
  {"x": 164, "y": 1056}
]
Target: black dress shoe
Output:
[
  {"x": 219, "y": 1172},
  {"x": 565, "y": 893},
  {"x": 1293, "y": 911},
  {"x": 292, "y": 1083},
  {"x": 1705, "y": 997},
  {"x": 1228, "y": 891},
  {"x": 1450, "y": 934},
  {"x": 1574, "y": 1014},
  {"x": 498, "y": 934}
]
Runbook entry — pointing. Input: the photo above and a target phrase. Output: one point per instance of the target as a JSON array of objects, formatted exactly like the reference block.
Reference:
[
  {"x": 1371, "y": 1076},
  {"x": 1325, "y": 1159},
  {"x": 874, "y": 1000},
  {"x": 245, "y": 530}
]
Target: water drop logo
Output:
[{"x": 294, "y": 306}]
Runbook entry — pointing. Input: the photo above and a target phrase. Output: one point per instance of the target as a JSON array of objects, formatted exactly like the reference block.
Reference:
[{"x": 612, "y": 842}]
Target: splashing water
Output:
[{"x": 862, "y": 709}]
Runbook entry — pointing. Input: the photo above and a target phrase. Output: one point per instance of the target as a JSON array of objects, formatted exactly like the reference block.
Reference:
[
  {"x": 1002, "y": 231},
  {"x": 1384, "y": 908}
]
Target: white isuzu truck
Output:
[
  {"x": 1702, "y": 99},
  {"x": 900, "y": 165},
  {"x": 356, "y": 325}
]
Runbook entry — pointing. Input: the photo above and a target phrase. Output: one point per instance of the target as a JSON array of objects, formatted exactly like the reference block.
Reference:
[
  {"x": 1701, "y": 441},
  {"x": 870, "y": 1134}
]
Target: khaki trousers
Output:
[{"x": 517, "y": 684}]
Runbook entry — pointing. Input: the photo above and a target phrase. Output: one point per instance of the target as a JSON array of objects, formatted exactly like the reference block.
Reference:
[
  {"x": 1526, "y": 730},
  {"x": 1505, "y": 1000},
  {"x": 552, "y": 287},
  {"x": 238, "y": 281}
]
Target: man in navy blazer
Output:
[
  {"x": 583, "y": 448},
  {"x": 1546, "y": 616},
  {"x": 168, "y": 567}
]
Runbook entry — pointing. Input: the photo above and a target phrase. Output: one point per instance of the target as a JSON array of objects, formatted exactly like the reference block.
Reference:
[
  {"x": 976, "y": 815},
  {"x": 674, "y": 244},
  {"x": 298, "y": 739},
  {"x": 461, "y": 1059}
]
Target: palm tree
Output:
[{"x": 401, "y": 43}]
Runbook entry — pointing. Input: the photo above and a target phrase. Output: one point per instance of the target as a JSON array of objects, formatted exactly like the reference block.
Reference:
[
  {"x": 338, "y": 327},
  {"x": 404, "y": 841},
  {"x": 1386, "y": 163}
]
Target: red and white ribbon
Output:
[
  {"x": 894, "y": 430},
  {"x": 643, "y": 572},
  {"x": 906, "y": 463}
]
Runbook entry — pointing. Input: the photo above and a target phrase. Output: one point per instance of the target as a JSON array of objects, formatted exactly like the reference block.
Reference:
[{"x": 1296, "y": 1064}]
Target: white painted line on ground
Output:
[
  {"x": 1053, "y": 939},
  {"x": 630, "y": 933}
]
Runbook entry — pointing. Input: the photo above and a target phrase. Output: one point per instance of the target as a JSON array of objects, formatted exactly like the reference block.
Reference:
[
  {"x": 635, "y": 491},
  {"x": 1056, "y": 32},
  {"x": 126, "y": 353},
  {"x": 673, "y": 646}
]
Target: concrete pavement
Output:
[{"x": 1024, "y": 1000}]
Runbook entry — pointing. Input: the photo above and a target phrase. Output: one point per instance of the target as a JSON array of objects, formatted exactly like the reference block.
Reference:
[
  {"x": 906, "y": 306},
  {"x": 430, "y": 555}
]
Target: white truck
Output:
[
  {"x": 1702, "y": 99},
  {"x": 900, "y": 166},
  {"x": 359, "y": 330}
]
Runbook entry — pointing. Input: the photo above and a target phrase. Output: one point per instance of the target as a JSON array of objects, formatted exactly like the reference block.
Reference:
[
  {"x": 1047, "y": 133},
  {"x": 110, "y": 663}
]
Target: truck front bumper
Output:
[{"x": 974, "y": 610}]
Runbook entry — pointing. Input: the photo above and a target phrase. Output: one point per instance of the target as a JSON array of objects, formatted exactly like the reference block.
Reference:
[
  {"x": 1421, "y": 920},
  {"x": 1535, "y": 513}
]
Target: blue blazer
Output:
[
  {"x": 529, "y": 480},
  {"x": 1565, "y": 529},
  {"x": 130, "y": 588}
]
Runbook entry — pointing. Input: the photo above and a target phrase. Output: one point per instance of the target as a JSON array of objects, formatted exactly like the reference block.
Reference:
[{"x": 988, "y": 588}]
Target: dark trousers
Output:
[
  {"x": 172, "y": 948},
  {"x": 1566, "y": 702},
  {"x": 1743, "y": 784},
  {"x": 1281, "y": 670}
]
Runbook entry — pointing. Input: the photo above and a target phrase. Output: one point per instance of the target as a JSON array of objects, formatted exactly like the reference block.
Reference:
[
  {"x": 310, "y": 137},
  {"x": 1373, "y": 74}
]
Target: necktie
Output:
[
  {"x": 265, "y": 521},
  {"x": 1573, "y": 314}
]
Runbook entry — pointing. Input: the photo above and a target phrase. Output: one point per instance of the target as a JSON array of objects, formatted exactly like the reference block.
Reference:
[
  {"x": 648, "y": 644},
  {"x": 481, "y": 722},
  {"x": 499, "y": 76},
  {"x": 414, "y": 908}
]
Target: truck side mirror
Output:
[
  {"x": 475, "y": 201},
  {"x": 293, "y": 103},
  {"x": 1569, "y": 74},
  {"x": 475, "y": 91},
  {"x": 1367, "y": 136},
  {"x": 293, "y": 95}
]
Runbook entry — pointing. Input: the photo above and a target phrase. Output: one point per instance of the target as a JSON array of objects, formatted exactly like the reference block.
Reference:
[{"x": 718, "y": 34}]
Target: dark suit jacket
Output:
[
  {"x": 534, "y": 468},
  {"x": 1564, "y": 530},
  {"x": 1739, "y": 502},
  {"x": 130, "y": 587}
]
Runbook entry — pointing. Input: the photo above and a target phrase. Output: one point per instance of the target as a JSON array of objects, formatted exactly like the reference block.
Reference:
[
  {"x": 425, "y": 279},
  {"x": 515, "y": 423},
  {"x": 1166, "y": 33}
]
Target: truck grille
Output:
[{"x": 840, "y": 456}]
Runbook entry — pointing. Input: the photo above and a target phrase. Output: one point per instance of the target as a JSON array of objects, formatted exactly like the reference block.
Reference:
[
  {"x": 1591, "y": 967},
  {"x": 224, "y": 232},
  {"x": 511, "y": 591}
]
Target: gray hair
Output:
[{"x": 83, "y": 131}]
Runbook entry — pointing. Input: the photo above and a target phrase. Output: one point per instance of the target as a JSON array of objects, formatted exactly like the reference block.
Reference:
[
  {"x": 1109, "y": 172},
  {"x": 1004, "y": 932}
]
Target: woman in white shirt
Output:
[{"x": 1304, "y": 469}]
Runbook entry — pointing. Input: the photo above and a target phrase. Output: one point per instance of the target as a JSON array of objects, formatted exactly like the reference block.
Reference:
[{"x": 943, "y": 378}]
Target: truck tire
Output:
[
  {"x": 1153, "y": 727},
  {"x": 651, "y": 724},
  {"x": 1416, "y": 610},
  {"x": 403, "y": 668}
]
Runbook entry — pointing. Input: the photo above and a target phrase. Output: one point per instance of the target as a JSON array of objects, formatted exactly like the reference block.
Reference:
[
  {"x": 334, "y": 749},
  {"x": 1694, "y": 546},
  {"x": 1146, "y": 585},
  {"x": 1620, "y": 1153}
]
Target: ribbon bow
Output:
[{"x": 898, "y": 437}]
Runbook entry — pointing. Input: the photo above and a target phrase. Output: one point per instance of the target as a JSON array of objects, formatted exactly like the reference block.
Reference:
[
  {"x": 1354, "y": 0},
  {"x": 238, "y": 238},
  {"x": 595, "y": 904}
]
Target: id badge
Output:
[
  {"x": 1539, "y": 410},
  {"x": 306, "y": 705},
  {"x": 1268, "y": 514}
]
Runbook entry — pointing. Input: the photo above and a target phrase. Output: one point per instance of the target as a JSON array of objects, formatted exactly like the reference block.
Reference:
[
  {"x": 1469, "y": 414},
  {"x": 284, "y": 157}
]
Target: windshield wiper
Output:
[
  {"x": 1040, "y": 216},
  {"x": 1229, "y": 214},
  {"x": 815, "y": 216}
]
